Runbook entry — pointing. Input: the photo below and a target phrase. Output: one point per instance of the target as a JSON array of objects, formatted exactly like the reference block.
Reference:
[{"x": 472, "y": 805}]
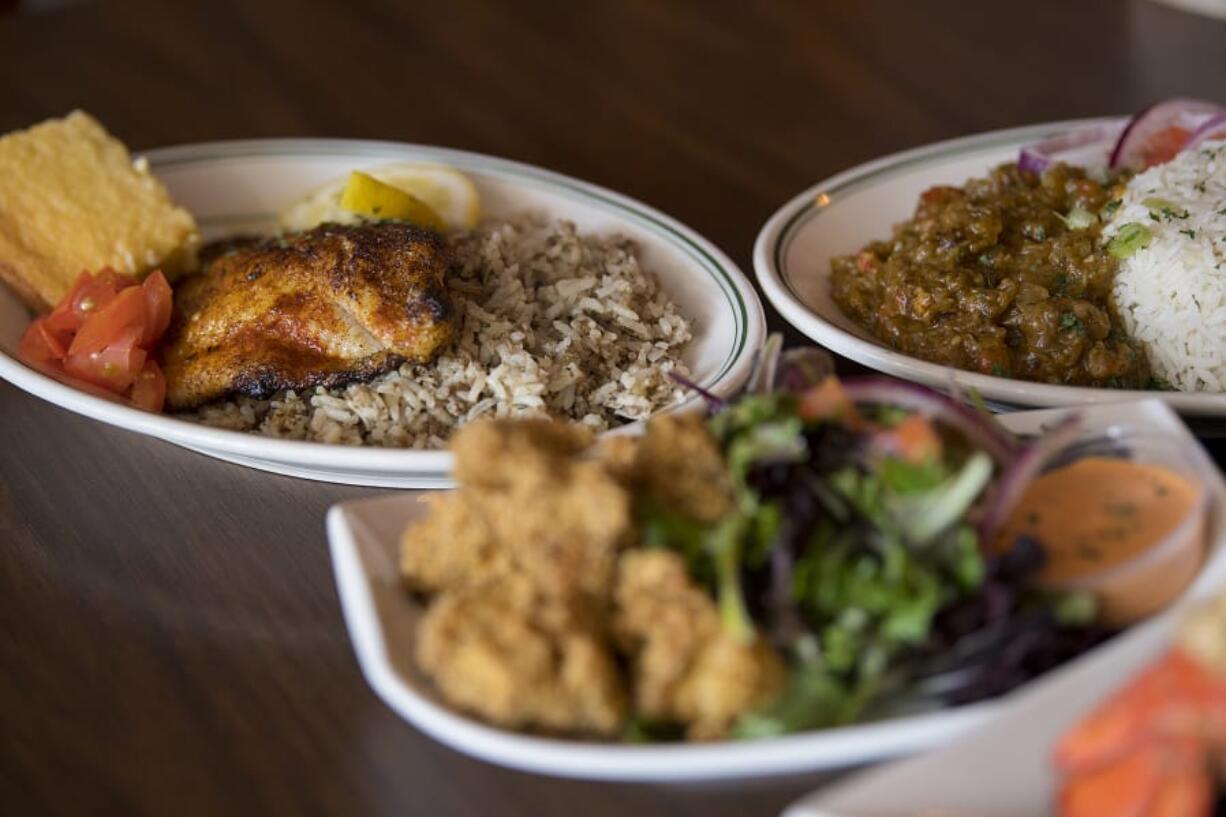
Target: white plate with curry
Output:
[
  {"x": 382, "y": 618},
  {"x": 840, "y": 215},
  {"x": 240, "y": 188}
]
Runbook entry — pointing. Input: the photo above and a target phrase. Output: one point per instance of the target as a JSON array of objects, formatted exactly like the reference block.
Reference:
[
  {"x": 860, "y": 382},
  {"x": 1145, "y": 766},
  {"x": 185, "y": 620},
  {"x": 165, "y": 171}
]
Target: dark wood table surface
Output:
[{"x": 170, "y": 637}]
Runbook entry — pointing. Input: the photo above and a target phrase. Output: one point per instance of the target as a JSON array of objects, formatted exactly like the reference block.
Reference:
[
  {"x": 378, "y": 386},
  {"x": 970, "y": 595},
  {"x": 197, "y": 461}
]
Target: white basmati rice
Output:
[{"x": 1171, "y": 295}]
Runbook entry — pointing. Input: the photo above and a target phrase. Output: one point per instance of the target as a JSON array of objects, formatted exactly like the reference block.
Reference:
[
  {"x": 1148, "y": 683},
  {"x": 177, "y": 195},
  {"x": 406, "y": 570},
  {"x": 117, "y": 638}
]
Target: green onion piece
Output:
[
  {"x": 1078, "y": 218},
  {"x": 1155, "y": 204},
  {"x": 1129, "y": 239}
]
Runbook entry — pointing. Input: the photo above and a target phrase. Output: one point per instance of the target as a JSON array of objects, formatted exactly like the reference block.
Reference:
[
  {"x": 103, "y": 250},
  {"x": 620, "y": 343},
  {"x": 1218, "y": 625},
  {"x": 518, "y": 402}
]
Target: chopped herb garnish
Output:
[
  {"x": 1109, "y": 208},
  {"x": 1199, "y": 187},
  {"x": 1157, "y": 206},
  {"x": 1130, "y": 238},
  {"x": 1189, "y": 233},
  {"x": 998, "y": 370},
  {"x": 1159, "y": 384},
  {"x": 1070, "y": 321}
]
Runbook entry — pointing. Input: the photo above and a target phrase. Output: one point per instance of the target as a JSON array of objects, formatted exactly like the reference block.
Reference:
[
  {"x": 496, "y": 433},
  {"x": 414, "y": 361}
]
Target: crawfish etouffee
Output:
[
  {"x": 796, "y": 560},
  {"x": 1007, "y": 275}
]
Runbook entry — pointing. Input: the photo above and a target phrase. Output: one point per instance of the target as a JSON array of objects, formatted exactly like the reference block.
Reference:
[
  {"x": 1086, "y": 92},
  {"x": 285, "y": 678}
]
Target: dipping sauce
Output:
[{"x": 1131, "y": 532}]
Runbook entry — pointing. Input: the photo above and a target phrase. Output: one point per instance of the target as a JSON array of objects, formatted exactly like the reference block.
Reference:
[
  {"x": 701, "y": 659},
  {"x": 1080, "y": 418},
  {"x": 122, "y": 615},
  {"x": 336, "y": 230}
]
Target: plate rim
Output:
[
  {"x": 769, "y": 264},
  {"x": 399, "y": 464}
]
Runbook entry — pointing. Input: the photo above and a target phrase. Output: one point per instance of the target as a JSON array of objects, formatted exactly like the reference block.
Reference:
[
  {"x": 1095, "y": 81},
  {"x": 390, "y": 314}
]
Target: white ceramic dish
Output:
[
  {"x": 381, "y": 617},
  {"x": 234, "y": 187},
  {"x": 843, "y": 213}
]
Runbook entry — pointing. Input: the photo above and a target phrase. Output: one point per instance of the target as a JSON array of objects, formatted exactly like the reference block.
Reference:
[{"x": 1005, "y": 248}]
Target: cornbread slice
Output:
[{"x": 71, "y": 199}]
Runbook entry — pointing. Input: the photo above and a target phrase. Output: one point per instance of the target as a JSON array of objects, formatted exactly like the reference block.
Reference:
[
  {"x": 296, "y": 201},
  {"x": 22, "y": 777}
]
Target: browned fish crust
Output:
[{"x": 321, "y": 308}]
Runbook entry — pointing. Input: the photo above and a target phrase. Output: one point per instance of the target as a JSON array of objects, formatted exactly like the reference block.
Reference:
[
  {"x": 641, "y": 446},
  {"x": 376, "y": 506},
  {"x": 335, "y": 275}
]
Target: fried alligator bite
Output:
[{"x": 319, "y": 308}]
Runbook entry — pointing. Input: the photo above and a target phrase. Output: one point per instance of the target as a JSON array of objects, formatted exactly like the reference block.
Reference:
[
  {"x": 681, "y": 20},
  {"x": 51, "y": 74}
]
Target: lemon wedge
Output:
[
  {"x": 367, "y": 196},
  {"x": 447, "y": 192}
]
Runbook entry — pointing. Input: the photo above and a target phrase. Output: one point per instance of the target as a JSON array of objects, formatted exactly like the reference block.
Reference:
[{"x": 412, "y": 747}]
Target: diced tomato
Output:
[
  {"x": 827, "y": 401},
  {"x": 100, "y": 337},
  {"x": 126, "y": 311},
  {"x": 914, "y": 440},
  {"x": 114, "y": 366},
  {"x": 88, "y": 295},
  {"x": 43, "y": 345},
  {"x": 148, "y": 391},
  {"x": 1165, "y": 144},
  {"x": 158, "y": 300},
  {"x": 940, "y": 195}
]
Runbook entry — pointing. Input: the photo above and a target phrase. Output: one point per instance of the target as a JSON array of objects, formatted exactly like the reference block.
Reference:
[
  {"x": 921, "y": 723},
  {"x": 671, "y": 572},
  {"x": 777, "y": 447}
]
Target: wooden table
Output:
[{"x": 171, "y": 641}]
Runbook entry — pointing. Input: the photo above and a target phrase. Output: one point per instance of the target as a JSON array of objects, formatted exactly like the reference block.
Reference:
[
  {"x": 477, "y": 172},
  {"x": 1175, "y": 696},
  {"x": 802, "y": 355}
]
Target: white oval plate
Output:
[
  {"x": 364, "y": 538},
  {"x": 843, "y": 213},
  {"x": 233, "y": 187}
]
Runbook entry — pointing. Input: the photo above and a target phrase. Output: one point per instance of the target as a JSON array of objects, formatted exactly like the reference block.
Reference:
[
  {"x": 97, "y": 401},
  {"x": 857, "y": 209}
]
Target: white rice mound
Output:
[
  {"x": 549, "y": 322},
  {"x": 1171, "y": 295}
]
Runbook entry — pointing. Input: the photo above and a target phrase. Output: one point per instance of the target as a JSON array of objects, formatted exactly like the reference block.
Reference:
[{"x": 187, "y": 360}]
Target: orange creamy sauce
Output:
[{"x": 1099, "y": 512}]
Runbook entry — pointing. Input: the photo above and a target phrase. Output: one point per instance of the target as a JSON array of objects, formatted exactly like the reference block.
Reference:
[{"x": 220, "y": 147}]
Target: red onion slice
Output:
[
  {"x": 977, "y": 429},
  {"x": 1010, "y": 485},
  {"x": 1083, "y": 146},
  {"x": 1136, "y": 145},
  {"x": 1214, "y": 128}
]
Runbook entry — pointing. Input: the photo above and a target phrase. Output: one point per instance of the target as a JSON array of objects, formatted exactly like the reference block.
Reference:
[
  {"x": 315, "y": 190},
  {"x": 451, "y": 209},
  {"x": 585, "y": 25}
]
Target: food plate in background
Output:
[
  {"x": 237, "y": 187},
  {"x": 381, "y": 616},
  {"x": 843, "y": 213}
]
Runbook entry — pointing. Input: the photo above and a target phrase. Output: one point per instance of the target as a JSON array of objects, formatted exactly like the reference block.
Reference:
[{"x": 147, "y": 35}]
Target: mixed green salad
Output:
[{"x": 862, "y": 545}]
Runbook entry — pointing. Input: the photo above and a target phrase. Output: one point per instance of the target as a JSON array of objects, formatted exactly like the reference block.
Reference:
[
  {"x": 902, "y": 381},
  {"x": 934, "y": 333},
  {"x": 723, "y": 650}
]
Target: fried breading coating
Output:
[
  {"x": 510, "y": 455},
  {"x": 680, "y": 464},
  {"x": 618, "y": 455},
  {"x": 528, "y": 504},
  {"x": 521, "y": 658},
  {"x": 685, "y": 667},
  {"x": 451, "y": 545}
]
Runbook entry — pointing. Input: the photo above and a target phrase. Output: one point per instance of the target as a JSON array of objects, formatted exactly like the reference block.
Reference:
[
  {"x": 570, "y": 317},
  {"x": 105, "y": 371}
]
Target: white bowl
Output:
[
  {"x": 235, "y": 187},
  {"x": 843, "y": 213},
  {"x": 382, "y": 617}
]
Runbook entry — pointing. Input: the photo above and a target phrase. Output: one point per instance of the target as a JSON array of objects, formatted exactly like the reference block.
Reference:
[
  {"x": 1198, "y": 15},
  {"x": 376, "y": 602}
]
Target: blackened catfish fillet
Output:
[{"x": 319, "y": 308}]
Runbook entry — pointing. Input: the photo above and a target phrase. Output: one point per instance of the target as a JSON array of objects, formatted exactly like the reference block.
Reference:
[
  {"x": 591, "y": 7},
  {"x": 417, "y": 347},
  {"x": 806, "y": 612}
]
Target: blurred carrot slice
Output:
[{"x": 1125, "y": 788}]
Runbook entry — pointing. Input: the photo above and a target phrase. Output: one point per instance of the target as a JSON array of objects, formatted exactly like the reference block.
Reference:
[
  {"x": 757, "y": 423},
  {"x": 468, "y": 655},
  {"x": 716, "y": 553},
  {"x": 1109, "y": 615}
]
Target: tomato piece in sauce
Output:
[{"x": 1165, "y": 144}]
